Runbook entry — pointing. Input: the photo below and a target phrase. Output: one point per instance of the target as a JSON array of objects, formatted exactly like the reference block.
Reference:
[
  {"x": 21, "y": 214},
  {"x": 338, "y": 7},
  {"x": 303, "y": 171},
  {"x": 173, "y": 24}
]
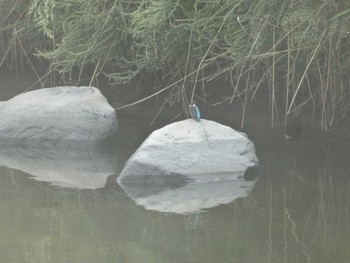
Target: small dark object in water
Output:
[
  {"x": 251, "y": 173},
  {"x": 293, "y": 128},
  {"x": 194, "y": 112}
]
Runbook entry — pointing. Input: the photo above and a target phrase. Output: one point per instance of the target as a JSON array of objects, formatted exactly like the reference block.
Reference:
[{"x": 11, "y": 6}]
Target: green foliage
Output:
[
  {"x": 181, "y": 36},
  {"x": 81, "y": 31},
  {"x": 17, "y": 33},
  {"x": 43, "y": 12},
  {"x": 301, "y": 47}
]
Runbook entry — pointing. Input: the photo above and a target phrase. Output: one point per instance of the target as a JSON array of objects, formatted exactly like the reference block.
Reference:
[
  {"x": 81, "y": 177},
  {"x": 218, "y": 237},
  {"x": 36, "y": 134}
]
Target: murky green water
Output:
[{"x": 298, "y": 210}]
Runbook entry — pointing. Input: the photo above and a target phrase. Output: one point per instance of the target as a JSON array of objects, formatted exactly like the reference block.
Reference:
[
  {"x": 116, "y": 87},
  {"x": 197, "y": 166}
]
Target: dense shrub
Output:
[{"x": 295, "y": 50}]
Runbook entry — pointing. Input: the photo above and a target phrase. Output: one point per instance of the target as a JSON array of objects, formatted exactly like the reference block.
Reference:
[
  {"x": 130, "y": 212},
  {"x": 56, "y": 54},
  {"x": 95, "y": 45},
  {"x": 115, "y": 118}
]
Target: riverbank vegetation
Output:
[{"x": 295, "y": 51}]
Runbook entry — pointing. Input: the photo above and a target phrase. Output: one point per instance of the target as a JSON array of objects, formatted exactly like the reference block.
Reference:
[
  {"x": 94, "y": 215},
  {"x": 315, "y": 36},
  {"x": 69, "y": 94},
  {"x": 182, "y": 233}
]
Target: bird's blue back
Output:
[{"x": 194, "y": 112}]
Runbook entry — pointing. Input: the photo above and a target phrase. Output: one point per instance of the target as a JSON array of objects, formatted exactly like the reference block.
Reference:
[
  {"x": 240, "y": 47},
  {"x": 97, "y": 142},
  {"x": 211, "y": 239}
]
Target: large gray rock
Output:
[
  {"x": 203, "y": 151},
  {"x": 57, "y": 114}
]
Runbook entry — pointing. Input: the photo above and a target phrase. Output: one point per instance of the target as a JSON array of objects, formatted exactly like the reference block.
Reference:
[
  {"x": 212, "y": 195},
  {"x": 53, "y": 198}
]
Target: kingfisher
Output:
[{"x": 194, "y": 112}]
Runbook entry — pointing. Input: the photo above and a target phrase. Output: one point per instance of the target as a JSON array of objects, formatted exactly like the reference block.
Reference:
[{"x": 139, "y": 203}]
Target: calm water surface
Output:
[{"x": 298, "y": 210}]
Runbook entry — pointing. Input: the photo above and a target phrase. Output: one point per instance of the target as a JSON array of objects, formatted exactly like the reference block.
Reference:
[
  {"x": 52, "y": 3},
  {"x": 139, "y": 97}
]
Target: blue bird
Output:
[{"x": 194, "y": 112}]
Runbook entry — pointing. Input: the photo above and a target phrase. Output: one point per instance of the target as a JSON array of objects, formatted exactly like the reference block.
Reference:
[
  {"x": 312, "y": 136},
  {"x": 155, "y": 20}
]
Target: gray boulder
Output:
[
  {"x": 187, "y": 150},
  {"x": 54, "y": 115}
]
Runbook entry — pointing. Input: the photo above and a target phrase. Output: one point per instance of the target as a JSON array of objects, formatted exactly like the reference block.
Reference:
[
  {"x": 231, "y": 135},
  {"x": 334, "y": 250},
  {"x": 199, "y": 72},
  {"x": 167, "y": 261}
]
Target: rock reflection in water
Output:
[
  {"x": 64, "y": 167},
  {"x": 186, "y": 196}
]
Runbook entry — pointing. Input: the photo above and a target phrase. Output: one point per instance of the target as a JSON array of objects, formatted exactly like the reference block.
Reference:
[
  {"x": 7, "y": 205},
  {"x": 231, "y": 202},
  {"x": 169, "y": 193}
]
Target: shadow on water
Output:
[{"x": 297, "y": 210}]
